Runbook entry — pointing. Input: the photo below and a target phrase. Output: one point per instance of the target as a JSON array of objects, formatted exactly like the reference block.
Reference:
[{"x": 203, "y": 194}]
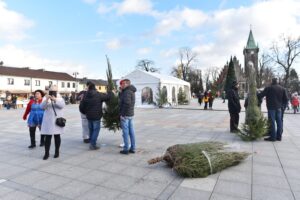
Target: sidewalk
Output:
[{"x": 272, "y": 172}]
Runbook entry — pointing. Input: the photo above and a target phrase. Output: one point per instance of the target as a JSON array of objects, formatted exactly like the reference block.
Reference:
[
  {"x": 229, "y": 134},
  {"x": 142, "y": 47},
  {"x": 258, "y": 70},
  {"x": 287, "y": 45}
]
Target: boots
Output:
[
  {"x": 42, "y": 142},
  {"x": 57, "y": 145},
  {"x": 47, "y": 146},
  {"x": 32, "y": 137}
]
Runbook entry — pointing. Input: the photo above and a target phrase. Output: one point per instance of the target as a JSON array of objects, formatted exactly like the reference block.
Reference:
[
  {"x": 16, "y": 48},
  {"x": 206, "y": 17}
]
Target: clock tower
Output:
[{"x": 251, "y": 54}]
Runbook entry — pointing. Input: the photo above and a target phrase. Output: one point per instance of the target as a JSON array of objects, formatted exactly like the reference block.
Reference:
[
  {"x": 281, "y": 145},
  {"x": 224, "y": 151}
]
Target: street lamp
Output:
[{"x": 75, "y": 75}]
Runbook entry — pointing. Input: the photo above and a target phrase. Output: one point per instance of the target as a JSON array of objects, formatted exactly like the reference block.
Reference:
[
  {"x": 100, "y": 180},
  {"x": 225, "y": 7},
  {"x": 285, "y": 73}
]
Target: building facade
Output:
[{"x": 24, "y": 81}]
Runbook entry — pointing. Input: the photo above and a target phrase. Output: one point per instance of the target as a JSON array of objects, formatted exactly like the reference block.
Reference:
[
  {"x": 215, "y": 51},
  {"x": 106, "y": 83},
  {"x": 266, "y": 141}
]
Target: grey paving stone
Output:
[
  {"x": 5, "y": 190},
  {"x": 188, "y": 193},
  {"x": 292, "y": 173},
  {"x": 51, "y": 196},
  {"x": 128, "y": 196},
  {"x": 96, "y": 177},
  {"x": 136, "y": 172},
  {"x": 18, "y": 195},
  {"x": 51, "y": 183},
  {"x": 113, "y": 167},
  {"x": 295, "y": 184},
  {"x": 163, "y": 175},
  {"x": 268, "y": 170},
  {"x": 30, "y": 178},
  {"x": 203, "y": 184},
  {"x": 73, "y": 172},
  {"x": 73, "y": 189},
  {"x": 99, "y": 193},
  {"x": 236, "y": 176},
  {"x": 268, "y": 193},
  {"x": 168, "y": 192},
  {"x": 148, "y": 188},
  {"x": 216, "y": 196},
  {"x": 271, "y": 181},
  {"x": 119, "y": 182},
  {"x": 235, "y": 189}
]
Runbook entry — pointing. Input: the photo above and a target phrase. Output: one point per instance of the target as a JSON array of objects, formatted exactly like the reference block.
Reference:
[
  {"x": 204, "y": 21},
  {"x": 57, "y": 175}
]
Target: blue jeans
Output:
[
  {"x": 275, "y": 116},
  {"x": 94, "y": 129},
  {"x": 127, "y": 128}
]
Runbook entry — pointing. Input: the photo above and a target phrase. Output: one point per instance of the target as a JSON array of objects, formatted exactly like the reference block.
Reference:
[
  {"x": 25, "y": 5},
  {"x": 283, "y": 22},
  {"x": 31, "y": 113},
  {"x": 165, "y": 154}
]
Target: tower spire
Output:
[{"x": 251, "y": 42}]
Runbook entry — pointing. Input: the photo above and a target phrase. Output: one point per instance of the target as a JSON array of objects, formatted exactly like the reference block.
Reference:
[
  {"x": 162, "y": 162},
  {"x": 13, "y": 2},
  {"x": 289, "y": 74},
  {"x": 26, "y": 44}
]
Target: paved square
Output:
[{"x": 272, "y": 172}]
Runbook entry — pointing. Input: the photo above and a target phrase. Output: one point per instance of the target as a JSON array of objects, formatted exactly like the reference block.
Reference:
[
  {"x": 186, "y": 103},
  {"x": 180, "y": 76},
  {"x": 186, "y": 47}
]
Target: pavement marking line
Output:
[{"x": 2, "y": 181}]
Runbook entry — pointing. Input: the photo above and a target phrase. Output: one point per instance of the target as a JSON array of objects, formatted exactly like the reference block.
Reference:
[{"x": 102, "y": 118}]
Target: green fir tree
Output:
[
  {"x": 256, "y": 125},
  {"x": 181, "y": 97},
  {"x": 161, "y": 97},
  {"x": 230, "y": 76},
  {"x": 111, "y": 114}
]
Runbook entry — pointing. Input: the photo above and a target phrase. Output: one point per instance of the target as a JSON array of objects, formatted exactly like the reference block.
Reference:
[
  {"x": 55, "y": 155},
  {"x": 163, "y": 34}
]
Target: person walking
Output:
[
  {"x": 210, "y": 99},
  {"x": 295, "y": 102},
  {"x": 35, "y": 112},
  {"x": 127, "y": 101},
  {"x": 234, "y": 107},
  {"x": 276, "y": 97},
  {"x": 53, "y": 105},
  {"x": 91, "y": 106},
  {"x": 206, "y": 100},
  {"x": 84, "y": 120}
]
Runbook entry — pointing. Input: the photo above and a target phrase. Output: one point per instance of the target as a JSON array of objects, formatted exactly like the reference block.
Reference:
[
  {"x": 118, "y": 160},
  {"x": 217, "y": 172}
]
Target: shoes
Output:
[
  {"x": 278, "y": 139},
  {"x": 31, "y": 146},
  {"x": 124, "y": 152},
  {"x": 86, "y": 141},
  {"x": 94, "y": 147},
  {"x": 42, "y": 144},
  {"x": 46, "y": 156},
  {"x": 56, "y": 155},
  {"x": 131, "y": 151},
  {"x": 269, "y": 139}
]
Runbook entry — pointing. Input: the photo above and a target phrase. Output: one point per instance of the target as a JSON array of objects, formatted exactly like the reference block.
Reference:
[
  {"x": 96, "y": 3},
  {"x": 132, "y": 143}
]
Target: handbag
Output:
[{"x": 60, "y": 121}]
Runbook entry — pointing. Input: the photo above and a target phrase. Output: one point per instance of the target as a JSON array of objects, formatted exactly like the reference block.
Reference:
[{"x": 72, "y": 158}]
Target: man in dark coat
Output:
[
  {"x": 276, "y": 98},
  {"x": 91, "y": 106},
  {"x": 127, "y": 101},
  {"x": 234, "y": 106}
]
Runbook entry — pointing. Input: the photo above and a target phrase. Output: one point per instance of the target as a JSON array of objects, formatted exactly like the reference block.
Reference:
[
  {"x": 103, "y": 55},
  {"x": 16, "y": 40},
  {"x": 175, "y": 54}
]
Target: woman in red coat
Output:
[{"x": 35, "y": 117}]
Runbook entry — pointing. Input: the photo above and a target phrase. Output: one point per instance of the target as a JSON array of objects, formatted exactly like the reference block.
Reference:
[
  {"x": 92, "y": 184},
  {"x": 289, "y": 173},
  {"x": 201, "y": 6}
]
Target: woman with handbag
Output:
[
  {"x": 53, "y": 122},
  {"x": 35, "y": 117}
]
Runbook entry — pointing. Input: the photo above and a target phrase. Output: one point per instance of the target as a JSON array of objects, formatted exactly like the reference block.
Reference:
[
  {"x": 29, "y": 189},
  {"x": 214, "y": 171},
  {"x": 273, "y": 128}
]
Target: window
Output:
[
  {"x": 37, "y": 83},
  {"x": 99, "y": 87},
  {"x": 26, "y": 82},
  {"x": 50, "y": 82},
  {"x": 10, "y": 81},
  {"x": 68, "y": 85},
  {"x": 74, "y": 85},
  {"x": 62, "y": 84}
]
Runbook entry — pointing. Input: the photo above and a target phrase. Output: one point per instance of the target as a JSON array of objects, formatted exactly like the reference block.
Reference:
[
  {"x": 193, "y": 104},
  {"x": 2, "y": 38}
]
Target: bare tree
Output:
[
  {"x": 1, "y": 63},
  {"x": 176, "y": 71},
  {"x": 211, "y": 76},
  {"x": 286, "y": 56},
  {"x": 187, "y": 57},
  {"x": 263, "y": 62},
  {"x": 147, "y": 65}
]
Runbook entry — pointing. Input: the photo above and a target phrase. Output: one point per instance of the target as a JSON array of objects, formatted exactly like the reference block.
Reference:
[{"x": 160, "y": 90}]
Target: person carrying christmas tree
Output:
[
  {"x": 91, "y": 106},
  {"x": 276, "y": 98},
  {"x": 127, "y": 101},
  {"x": 234, "y": 106}
]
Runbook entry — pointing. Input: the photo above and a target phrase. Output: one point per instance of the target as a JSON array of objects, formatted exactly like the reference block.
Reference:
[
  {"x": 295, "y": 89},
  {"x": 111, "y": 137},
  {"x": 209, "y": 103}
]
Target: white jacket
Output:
[{"x": 48, "y": 125}]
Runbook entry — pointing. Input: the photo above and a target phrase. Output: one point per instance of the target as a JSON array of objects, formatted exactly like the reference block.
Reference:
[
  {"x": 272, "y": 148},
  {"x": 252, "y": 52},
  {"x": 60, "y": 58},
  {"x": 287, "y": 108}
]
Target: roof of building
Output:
[
  {"x": 163, "y": 78},
  {"x": 95, "y": 81},
  {"x": 35, "y": 73},
  {"x": 251, "y": 42}
]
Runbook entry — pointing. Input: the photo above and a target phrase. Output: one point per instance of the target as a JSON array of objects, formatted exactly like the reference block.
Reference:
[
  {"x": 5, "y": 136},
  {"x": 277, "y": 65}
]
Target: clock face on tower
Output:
[{"x": 252, "y": 52}]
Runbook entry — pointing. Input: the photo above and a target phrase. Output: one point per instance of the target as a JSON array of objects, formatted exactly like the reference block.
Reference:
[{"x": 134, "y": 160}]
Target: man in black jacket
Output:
[
  {"x": 127, "y": 101},
  {"x": 276, "y": 98},
  {"x": 91, "y": 106},
  {"x": 234, "y": 106}
]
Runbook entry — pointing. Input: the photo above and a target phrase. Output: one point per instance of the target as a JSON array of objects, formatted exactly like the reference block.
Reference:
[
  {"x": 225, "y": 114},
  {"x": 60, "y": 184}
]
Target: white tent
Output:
[{"x": 147, "y": 84}]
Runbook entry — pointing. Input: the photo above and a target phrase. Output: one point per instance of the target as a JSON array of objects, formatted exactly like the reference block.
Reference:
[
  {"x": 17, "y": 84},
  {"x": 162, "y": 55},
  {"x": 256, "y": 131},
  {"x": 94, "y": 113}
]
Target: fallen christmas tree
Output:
[{"x": 199, "y": 159}]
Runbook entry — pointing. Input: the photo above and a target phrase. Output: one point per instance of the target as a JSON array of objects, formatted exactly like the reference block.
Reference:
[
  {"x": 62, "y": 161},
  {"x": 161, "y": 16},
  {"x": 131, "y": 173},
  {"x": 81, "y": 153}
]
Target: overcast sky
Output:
[{"x": 69, "y": 36}]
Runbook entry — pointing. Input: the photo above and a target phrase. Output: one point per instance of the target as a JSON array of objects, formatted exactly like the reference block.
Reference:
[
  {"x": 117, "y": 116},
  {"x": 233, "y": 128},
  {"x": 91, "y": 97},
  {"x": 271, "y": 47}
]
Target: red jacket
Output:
[
  {"x": 28, "y": 108},
  {"x": 295, "y": 101}
]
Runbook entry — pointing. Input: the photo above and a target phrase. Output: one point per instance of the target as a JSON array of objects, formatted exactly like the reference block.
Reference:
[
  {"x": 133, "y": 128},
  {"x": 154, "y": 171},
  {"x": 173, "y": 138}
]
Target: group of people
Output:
[
  {"x": 91, "y": 113},
  {"x": 207, "y": 98},
  {"x": 276, "y": 101},
  {"x": 10, "y": 101},
  {"x": 43, "y": 110}
]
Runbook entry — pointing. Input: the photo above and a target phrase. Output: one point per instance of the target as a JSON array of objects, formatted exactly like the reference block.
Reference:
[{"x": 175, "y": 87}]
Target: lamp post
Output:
[{"x": 75, "y": 75}]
